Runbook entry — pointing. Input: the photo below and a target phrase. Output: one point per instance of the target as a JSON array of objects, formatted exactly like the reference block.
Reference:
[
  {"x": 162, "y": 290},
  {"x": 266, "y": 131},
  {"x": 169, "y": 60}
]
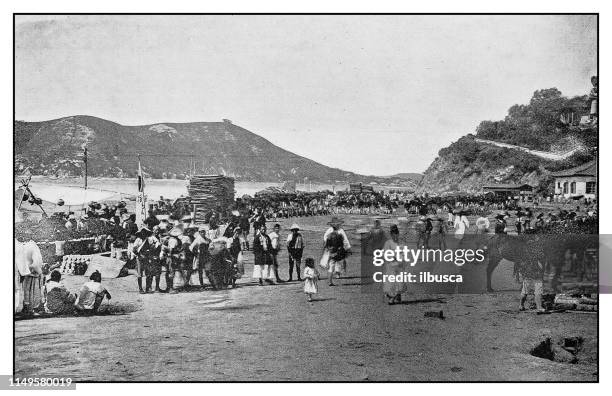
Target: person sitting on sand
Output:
[
  {"x": 91, "y": 294},
  {"x": 58, "y": 300}
]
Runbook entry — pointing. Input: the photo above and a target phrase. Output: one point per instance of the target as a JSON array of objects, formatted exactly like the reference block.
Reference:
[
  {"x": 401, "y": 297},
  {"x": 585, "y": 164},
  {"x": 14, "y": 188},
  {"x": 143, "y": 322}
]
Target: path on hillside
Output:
[{"x": 542, "y": 154}]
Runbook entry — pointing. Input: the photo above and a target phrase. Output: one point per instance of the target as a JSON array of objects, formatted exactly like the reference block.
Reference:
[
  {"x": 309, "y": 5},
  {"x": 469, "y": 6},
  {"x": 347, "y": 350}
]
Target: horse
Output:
[{"x": 558, "y": 248}]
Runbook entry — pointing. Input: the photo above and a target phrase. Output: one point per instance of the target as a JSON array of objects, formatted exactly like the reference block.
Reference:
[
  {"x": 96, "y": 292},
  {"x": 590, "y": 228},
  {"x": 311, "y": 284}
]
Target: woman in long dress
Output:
[{"x": 393, "y": 290}]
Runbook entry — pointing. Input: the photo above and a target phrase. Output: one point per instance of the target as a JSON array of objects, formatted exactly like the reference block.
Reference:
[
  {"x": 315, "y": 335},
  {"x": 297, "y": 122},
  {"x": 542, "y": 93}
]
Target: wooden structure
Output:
[
  {"x": 517, "y": 191},
  {"x": 580, "y": 181},
  {"x": 358, "y": 188},
  {"x": 210, "y": 193}
]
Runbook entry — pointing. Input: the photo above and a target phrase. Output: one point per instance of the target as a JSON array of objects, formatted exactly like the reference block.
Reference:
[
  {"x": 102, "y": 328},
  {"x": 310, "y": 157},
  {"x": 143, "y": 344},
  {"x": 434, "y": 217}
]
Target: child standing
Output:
[{"x": 311, "y": 276}]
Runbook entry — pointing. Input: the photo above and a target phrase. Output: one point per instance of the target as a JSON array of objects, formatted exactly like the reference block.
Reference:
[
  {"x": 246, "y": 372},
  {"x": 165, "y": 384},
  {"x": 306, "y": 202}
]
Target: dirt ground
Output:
[{"x": 272, "y": 333}]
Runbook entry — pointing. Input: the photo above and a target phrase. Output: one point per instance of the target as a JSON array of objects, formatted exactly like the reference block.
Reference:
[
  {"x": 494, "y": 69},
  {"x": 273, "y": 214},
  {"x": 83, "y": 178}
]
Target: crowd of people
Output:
[
  {"x": 176, "y": 249},
  {"x": 179, "y": 250}
]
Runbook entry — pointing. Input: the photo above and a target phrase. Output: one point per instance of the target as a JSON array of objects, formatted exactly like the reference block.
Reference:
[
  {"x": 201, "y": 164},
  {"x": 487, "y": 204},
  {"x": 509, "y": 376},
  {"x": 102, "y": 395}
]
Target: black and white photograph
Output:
[{"x": 306, "y": 198}]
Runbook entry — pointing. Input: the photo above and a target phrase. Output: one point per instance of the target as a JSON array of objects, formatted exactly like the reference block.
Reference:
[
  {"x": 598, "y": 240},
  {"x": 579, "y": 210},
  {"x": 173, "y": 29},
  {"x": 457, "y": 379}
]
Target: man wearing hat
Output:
[
  {"x": 337, "y": 247},
  {"x": 199, "y": 247},
  {"x": 235, "y": 249},
  {"x": 500, "y": 224},
  {"x": 151, "y": 220},
  {"x": 172, "y": 250},
  {"x": 147, "y": 248},
  {"x": 129, "y": 225},
  {"x": 295, "y": 248},
  {"x": 262, "y": 246},
  {"x": 189, "y": 257}
]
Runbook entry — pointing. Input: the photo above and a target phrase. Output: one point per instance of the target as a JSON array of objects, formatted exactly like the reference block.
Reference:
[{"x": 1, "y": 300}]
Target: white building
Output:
[{"x": 578, "y": 181}]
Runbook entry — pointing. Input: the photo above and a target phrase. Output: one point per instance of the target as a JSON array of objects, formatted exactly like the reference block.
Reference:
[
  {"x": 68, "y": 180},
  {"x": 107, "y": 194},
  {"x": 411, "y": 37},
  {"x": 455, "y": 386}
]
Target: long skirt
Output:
[
  {"x": 261, "y": 272},
  {"x": 393, "y": 288},
  {"x": 32, "y": 291}
]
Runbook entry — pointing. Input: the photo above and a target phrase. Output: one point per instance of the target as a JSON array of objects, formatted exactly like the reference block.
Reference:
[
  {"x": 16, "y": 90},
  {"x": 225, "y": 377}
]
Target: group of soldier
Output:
[{"x": 181, "y": 250}]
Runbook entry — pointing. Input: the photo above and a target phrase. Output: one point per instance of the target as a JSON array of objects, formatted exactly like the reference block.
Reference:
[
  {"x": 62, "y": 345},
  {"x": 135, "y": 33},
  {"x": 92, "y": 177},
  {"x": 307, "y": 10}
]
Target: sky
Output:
[{"x": 376, "y": 95}]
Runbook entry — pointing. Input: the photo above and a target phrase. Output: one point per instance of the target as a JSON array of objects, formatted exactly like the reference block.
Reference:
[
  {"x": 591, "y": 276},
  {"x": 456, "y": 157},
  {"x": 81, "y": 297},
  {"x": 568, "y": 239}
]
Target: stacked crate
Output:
[{"x": 210, "y": 192}]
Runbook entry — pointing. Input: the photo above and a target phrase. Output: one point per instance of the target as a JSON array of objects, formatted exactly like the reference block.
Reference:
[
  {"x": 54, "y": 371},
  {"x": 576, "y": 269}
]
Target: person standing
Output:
[
  {"x": 213, "y": 229},
  {"x": 393, "y": 290},
  {"x": 295, "y": 248},
  {"x": 461, "y": 225},
  {"x": 173, "y": 252},
  {"x": 29, "y": 262},
  {"x": 451, "y": 217},
  {"x": 519, "y": 222},
  {"x": 594, "y": 98},
  {"x": 141, "y": 251},
  {"x": 199, "y": 247},
  {"x": 482, "y": 224},
  {"x": 422, "y": 234},
  {"x": 245, "y": 225},
  {"x": 262, "y": 246},
  {"x": 336, "y": 247},
  {"x": 151, "y": 220},
  {"x": 129, "y": 225},
  {"x": 148, "y": 254},
  {"x": 531, "y": 271},
  {"x": 235, "y": 249},
  {"x": 276, "y": 246},
  {"x": 259, "y": 219},
  {"x": 377, "y": 236},
  {"x": 442, "y": 228},
  {"x": 311, "y": 276},
  {"x": 500, "y": 224}
]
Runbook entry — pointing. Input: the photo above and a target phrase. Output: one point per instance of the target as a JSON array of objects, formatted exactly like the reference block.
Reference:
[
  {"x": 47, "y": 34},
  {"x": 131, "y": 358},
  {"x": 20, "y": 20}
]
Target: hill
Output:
[
  {"x": 55, "y": 148},
  {"x": 540, "y": 126},
  {"x": 416, "y": 177}
]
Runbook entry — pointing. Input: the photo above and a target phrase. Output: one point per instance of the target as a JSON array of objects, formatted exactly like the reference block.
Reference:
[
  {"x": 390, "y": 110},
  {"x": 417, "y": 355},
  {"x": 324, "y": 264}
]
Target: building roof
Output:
[
  {"x": 588, "y": 169},
  {"x": 507, "y": 187}
]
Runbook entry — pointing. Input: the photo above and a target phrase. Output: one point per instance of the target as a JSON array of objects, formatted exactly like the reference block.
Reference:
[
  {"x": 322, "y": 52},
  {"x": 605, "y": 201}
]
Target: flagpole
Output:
[{"x": 140, "y": 198}]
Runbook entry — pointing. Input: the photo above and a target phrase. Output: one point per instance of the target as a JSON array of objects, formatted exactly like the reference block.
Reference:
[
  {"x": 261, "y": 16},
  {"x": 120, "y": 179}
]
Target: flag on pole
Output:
[
  {"x": 141, "y": 182},
  {"x": 141, "y": 211}
]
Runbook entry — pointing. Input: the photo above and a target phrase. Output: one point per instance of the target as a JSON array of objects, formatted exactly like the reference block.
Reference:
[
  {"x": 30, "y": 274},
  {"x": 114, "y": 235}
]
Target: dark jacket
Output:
[
  {"x": 296, "y": 252},
  {"x": 262, "y": 257}
]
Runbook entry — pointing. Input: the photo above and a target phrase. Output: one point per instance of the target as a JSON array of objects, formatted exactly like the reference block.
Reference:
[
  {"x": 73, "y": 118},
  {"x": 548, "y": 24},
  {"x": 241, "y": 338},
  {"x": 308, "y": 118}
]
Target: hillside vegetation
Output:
[{"x": 466, "y": 165}]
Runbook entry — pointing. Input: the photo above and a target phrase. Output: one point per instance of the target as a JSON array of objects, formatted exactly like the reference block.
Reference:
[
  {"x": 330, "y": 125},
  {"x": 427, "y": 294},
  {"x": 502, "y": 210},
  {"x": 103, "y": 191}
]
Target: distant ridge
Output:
[{"x": 55, "y": 148}]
